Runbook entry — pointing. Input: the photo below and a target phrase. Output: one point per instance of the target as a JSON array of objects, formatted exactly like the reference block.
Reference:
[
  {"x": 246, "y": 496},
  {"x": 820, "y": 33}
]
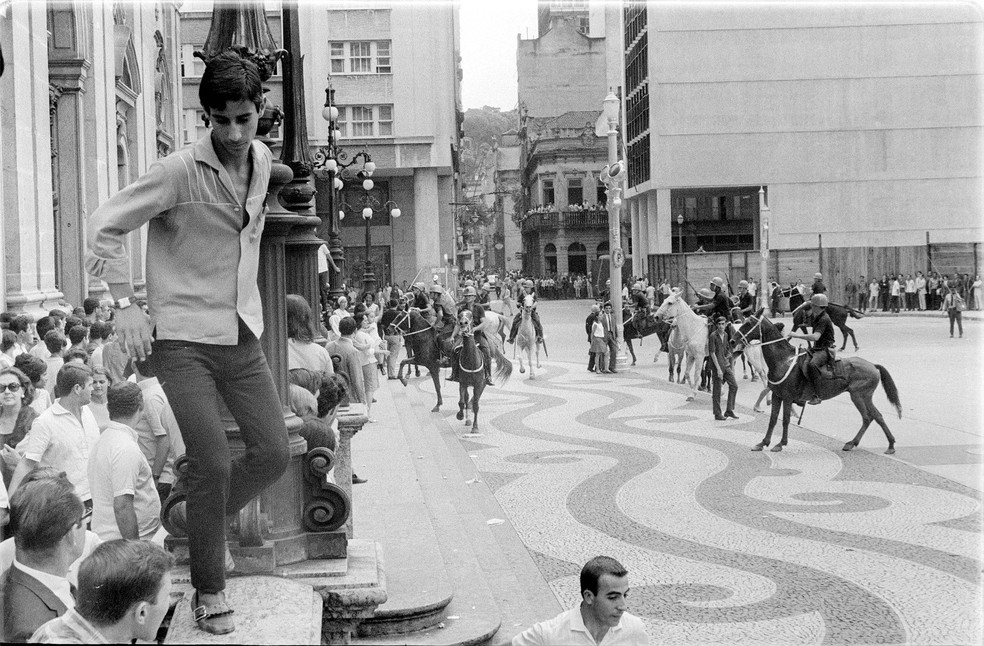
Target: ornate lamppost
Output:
[
  {"x": 764, "y": 290},
  {"x": 612, "y": 177},
  {"x": 370, "y": 206}
]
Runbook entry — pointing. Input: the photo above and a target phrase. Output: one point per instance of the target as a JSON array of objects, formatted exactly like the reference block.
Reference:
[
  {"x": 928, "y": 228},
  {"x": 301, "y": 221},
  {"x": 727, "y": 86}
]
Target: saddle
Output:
[{"x": 834, "y": 376}]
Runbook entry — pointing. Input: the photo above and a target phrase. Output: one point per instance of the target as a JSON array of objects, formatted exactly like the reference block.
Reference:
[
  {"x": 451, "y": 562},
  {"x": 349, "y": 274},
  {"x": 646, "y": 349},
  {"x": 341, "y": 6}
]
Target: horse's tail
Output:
[
  {"x": 890, "y": 389},
  {"x": 503, "y": 367}
]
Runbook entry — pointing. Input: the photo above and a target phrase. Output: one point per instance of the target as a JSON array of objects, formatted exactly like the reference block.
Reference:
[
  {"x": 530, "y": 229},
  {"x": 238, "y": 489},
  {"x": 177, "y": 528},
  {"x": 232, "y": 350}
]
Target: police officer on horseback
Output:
[
  {"x": 823, "y": 340},
  {"x": 527, "y": 290},
  {"x": 478, "y": 329},
  {"x": 818, "y": 287},
  {"x": 719, "y": 305},
  {"x": 639, "y": 299},
  {"x": 746, "y": 302}
]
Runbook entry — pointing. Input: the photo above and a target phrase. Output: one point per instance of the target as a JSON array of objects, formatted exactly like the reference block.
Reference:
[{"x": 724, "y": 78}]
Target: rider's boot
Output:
[
  {"x": 454, "y": 367},
  {"x": 815, "y": 379},
  {"x": 488, "y": 369}
]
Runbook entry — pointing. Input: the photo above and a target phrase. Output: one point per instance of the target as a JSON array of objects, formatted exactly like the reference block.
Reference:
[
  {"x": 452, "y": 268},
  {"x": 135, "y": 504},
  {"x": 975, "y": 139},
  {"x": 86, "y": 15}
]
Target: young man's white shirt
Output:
[
  {"x": 58, "y": 439},
  {"x": 568, "y": 628}
]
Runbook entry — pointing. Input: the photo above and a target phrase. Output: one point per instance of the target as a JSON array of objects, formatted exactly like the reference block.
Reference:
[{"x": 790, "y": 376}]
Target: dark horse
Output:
[
  {"x": 838, "y": 314},
  {"x": 855, "y": 375},
  {"x": 638, "y": 326},
  {"x": 471, "y": 364},
  {"x": 419, "y": 336}
]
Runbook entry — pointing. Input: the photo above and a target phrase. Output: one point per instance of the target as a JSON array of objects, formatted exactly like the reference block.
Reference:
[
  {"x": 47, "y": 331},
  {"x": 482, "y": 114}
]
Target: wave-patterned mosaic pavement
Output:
[{"x": 726, "y": 546}]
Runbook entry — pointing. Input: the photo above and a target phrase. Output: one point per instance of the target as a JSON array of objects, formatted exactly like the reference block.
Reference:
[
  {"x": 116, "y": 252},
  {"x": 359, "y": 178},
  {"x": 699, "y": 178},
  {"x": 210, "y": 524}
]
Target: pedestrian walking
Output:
[{"x": 954, "y": 305}]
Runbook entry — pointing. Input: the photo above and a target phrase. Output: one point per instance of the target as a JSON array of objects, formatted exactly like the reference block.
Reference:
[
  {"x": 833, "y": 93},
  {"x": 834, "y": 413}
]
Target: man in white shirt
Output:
[
  {"x": 125, "y": 503},
  {"x": 157, "y": 430},
  {"x": 337, "y": 315},
  {"x": 600, "y": 620},
  {"x": 64, "y": 434}
]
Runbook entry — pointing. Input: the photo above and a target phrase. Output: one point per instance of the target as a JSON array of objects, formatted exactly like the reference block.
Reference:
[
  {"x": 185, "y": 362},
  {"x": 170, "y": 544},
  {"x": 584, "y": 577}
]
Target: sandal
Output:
[{"x": 215, "y": 619}]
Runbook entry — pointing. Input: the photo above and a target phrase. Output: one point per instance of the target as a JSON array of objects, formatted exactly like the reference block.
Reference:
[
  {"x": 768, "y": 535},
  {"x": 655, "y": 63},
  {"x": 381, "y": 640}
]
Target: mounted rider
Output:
[
  {"x": 719, "y": 304},
  {"x": 420, "y": 300},
  {"x": 639, "y": 299},
  {"x": 818, "y": 287},
  {"x": 442, "y": 318},
  {"x": 821, "y": 353},
  {"x": 479, "y": 323},
  {"x": 746, "y": 301},
  {"x": 526, "y": 289}
]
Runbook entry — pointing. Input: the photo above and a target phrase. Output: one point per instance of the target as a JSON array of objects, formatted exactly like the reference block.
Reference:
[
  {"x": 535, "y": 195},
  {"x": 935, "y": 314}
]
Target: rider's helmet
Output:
[
  {"x": 718, "y": 282},
  {"x": 743, "y": 283},
  {"x": 469, "y": 282},
  {"x": 469, "y": 291},
  {"x": 818, "y": 275},
  {"x": 422, "y": 287},
  {"x": 528, "y": 284},
  {"x": 637, "y": 287},
  {"x": 818, "y": 300},
  {"x": 486, "y": 285},
  {"x": 436, "y": 289},
  {"x": 706, "y": 293}
]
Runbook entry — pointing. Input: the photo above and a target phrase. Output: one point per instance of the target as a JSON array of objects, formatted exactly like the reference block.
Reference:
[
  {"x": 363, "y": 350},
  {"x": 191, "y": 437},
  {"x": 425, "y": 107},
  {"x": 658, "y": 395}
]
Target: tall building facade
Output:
[
  {"x": 860, "y": 122},
  {"x": 395, "y": 71},
  {"x": 89, "y": 98}
]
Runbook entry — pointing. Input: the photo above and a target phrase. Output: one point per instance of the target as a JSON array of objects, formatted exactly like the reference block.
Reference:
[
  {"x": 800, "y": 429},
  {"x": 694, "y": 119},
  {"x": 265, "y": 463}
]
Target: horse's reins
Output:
[
  {"x": 747, "y": 342},
  {"x": 481, "y": 365},
  {"x": 406, "y": 316}
]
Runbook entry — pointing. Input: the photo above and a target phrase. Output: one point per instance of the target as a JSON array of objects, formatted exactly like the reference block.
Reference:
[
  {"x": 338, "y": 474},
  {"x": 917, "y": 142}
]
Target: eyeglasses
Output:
[{"x": 12, "y": 387}]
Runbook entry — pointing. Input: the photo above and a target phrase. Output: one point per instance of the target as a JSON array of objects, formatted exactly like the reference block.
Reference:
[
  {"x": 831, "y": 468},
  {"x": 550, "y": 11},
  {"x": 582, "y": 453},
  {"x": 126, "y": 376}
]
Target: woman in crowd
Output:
[
  {"x": 978, "y": 292},
  {"x": 302, "y": 351},
  {"x": 16, "y": 416},
  {"x": 363, "y": 342},
  {"x": 35, "y": 369}
]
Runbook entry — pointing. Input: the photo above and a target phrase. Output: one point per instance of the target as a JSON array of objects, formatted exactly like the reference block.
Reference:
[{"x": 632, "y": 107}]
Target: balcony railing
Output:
[{"x": 553, "y": 220}]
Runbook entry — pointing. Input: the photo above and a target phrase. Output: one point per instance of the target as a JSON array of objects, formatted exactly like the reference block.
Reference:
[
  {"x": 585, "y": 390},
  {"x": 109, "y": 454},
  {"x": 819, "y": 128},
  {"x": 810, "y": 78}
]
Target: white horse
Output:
[
  {"x": 526, "y": 337},
  {"x": 691, "y": 330}
]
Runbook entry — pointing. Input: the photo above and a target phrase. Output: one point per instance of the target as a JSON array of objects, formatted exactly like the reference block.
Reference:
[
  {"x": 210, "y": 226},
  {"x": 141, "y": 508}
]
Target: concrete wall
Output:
[
  {"x": 562, "y": 71},
  {"x": 864, "y": 121}
]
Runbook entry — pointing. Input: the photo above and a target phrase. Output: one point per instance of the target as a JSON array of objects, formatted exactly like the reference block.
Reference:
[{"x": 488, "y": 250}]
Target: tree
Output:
[{"x": 483, "y": 127}]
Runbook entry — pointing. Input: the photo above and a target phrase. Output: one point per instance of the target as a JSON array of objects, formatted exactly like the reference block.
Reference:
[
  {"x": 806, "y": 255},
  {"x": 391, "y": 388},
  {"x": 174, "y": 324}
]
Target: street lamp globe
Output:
[
  {"x": 367, "y": 184},
  {"x": 370, "y": 167},
  {"x": 610, "y": 106},
  {"x": 366, "y": 213},
  {"x": 341, "y": 215},
  {"x": 396, "y": 213},
  {"x": 329, "y": 113},
  {"x": 680, "y": 220},
  {"x": 338, "y": 183}
]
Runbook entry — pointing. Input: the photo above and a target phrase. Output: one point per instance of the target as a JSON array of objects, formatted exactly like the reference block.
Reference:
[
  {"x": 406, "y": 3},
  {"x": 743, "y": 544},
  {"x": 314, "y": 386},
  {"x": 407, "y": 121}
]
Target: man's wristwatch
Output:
[{"x": 123, "y": 303}]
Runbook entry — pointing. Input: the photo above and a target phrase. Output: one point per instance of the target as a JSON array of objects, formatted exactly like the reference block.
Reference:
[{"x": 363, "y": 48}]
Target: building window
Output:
[
  {"x": 361, "y": 57},
  {"x": 383, "y": 57},
  {"x": 193, "y": 127},
  {"x": 365, "y": 120},
  {"x": 191, "y": 67},
  {"x": 575, "y": 191},
  {"x": 602, "y": 195},
  {"x": 548, "y": 191},
  {"x": 385, "y": 121},
  {"x": 638, "y": 161}
]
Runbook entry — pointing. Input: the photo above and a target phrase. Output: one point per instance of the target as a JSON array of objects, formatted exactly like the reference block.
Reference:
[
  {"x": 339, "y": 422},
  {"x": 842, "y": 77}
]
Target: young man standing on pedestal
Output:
[{"x": 205, "y": 209}]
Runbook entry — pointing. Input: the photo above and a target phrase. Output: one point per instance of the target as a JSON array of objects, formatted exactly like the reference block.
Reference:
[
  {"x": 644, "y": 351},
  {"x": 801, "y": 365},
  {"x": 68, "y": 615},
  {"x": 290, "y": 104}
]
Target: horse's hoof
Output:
[
  {"x": 460, "y": 415},
  {"x": 436, "y": 409},
  {"x": 777, "y": 448},
  {"x": 532, "y": 376},
  {"x": 403, "y": 380},
  {"x": 690, "y": 399},
  {"x": 538, "y": 366},
  {"x": 848, "y": 447},
  {"x": 759, "y": 410},
  {"x": 522, "y": 370},
  {"x": 633, "y": 363},
  {"x": 759, "y": 447},
  {"x": 890, "y": 451}
]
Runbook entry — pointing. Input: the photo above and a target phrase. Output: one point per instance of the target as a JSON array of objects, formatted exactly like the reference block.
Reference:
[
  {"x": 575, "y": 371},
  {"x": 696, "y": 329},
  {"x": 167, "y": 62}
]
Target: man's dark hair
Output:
[
  {"x": 7, "y": 340},
  {"x": 144, "y": 367},
  {"x": 593, "y": 570},
  {"x": 118, "y": 574},
  {"x": 70, "y": 376},
  {"x": 78, "y": 334},
  {"x": 57, "y": 315},
  {"x": 90, "y": 305},
  {"x": 317, "y": 434},
  {"x": 33, "y": 367},
  {"x": 347, "y": 326},
  {"x": 76, "y": 353},
  {"x": 300, "y": 323},
  {"x": 332, "y": 393},
  {"x": 54, "y": 341},
  {"x": 44, "y": 325},
  {"x": 230, "y": 77},
  {"x": 70, "y": 322},
  {"x": 21, "y": 323},
  {"x": 96, "y": 330},
  {"x": 123, "y": 400},
  {"x": 106, "y": 330},
  {"x": 43, "y": 509},
  {"x": 5, "y": 319},
  {"x": 309, "y": 380}
]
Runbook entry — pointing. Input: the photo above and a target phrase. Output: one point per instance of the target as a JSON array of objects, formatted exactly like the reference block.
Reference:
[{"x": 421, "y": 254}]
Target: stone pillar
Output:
[
  {"x": 427, "y": 234},
  {"x": 350, "y": 421},
  {"x": 662, "y": 230}
]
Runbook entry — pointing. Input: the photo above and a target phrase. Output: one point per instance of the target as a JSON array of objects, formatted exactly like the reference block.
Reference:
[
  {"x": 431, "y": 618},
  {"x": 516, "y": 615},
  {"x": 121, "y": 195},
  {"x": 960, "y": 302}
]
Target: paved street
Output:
[{"x": 811, "y": 545}]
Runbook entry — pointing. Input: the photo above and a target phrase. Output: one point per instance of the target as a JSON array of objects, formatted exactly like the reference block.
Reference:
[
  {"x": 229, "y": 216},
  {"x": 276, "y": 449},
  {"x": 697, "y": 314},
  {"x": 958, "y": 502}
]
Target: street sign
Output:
[{"x": 618, "y": 257}]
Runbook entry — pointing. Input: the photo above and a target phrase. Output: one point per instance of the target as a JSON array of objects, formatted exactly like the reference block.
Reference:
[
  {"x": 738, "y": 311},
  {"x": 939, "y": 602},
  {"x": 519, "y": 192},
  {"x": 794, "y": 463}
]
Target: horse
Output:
[
  {"x": 803, "y": 315},
  {"x": 471, "y": 364},
  {"x": 692, "y": 330},
  {"x": 497, "y": 322},
  {"x": 857, "y": 376},
  {"x": 638, "y": 326},
  {"x": 526, "y": 338},
  {"x": 419, "y": 336}
]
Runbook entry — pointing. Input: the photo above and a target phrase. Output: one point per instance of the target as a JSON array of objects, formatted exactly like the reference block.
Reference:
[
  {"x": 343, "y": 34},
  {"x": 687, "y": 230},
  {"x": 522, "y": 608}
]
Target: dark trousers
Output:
[
  {"x": 955, "y": 315},
  {"x": 194, "y": 377},
  {"x": 729, "y": 378},
  {"x": 862, "y": 302},
  {"x": 612, "y": 351},
  {"x": 537, "y": 326}
]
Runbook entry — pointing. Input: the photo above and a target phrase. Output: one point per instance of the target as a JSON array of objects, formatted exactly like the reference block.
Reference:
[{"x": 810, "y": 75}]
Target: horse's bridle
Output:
[{"x": 400, "y": 318}]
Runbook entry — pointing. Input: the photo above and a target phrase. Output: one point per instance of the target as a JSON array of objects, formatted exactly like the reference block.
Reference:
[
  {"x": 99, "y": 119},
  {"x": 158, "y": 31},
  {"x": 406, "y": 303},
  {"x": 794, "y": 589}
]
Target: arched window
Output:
[
  {"x": 577, "y": 258},
  {"x": 602, "y": 249}
]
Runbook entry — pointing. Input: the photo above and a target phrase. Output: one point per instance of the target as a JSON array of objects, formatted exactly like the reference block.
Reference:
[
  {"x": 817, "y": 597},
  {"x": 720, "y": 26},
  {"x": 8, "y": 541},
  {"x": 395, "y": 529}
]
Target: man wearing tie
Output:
[{"x": 608, "y": 321}]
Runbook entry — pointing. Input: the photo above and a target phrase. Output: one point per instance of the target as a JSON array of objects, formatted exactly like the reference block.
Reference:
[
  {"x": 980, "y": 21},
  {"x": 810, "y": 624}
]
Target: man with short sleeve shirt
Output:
[{"x": 124, "y": 497}]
